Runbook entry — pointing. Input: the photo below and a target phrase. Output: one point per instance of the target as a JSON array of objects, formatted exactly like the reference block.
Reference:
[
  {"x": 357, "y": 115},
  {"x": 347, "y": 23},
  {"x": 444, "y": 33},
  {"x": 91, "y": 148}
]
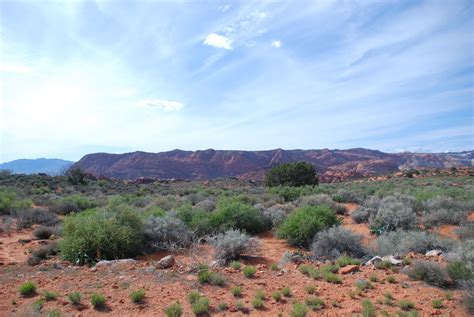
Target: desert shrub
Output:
[
  {"x": 102, "y": 234},
  {"x": 402, "y": 242},
  {"x": 257, "y": 303},
  {"x": 43, "y": 232},
  {"x": 10, "y": 202},
  {"x": 64, "y": 208},
  {"x": 345, "y": 260},
  {"x": 291, "y": 174},
  {"x": 232, "y": 213},
  {"x": 276, "y": 295},
  {"x": 75, "y": 176},
  {"x": 321, "y": 199},
  {"x": 44, "y": 251},
  {"x": 299, "y": 310},
  {"x": 362, "y": 214},
  {"x": 313, "y": 302},
  {"x": 430, "y": 272},
  {"x": 174, "y": 310},
  {"x": 337, "y": 241},
  {"x": 275, "y": 215},
  {"x": 302, "y": 224},
  {"x": 50, "y": 295},
  {"x": 463, "y": 251},
  {"x": 201, "y": 306},
  {"x": 406, "y": 305},
  {"x": 53, "y": 313},
  {"x": 75, "y": 297},
  {"x": 394, "y": 212},
  {"x": 221, "y": 307},
  {"x": 437, "y": 303},
  {"x": 240, "y": 306},
  {"x": 235, "y": 265},
  {"x": 468, "y": 297},
  {"x": 167, "y": 233},
  {"x": 249, "y": 271},
  {"x": 435, "y": 218},
  {"x": 98, "y": 300},
  {"x": 362, "y": 284},
  {"x": 206, "y": 205},
  {"x": 368, "y": 309},
  {"x": 28, "y": 217},
  {"x": 331, "y": 277},
  {"x": 33, "y": 260},
  {"x": 345, "y": 196},
  {"x": 137, "y": 296},
  {"x": 236, "y": 291},
  {"x": 286, "y": 291},
  {"x": 466, "y": 232},
  {"x": 28, "y": 288},
  {"x": 232, "y": 244},
  {"x": 459, "y": 271}
]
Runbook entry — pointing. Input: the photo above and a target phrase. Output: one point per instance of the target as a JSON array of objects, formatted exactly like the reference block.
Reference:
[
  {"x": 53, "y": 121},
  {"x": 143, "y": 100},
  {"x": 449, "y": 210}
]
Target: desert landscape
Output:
[{"x": 259, "y": 263}]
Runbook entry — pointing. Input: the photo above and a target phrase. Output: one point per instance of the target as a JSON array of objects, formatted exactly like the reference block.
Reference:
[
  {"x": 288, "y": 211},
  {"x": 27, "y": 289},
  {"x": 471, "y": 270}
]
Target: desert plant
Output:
[
  {"x": 331, "y": 278},
  {"x": 249, "y": 271},
  {"x": 313, "y": 302},
  {"x": 310, "y": 289},
  {"x": 406, "y": 305},
  {"x": 299, "y": 310},
  {"x": 43, "y": 232},
  {"x": 291, "y": 174},
  {"x": 75, "y": 298},
  {"x": 402, "y": 242},
  {"x": 276, "y": 295},
  {"x": 368, "y": 309},
  {"x": 240, "y": 306},
  {"x": 437, "y": 303},
  {"x": 459, "y": 271},
  {"x": 174, "y": 310},
  {"x": 28, "y": 288},
  {"x": 363, "y": 285},
  {"x": 466, "y": 232},
  {"x": 26, "y": 217},
  {"x": 286, "y": 291},
  {"x": 345, "y": 260},
  {"x": 201, "y": 306},
  {"x": 394, "y": 212},
  {"x": 363, "y": 214},
  {"x": 236, "y": 291},
  {"x": 53, "y": 313},
  {"x": 167, "y": 233},
  {"x": 335, "y": 241},
  {"x": 232, "y": 244},
  {"x": 98, "y": 300},
  {"x": 391, "y": 279},
  {"x": 235, "y": 265},
  {"x": 258, "y": 303},
  {"x": 137, "y": 296},
  {"x": 50, "y": 295},
  {"x": 300, "y": 226},
  {"x": 222, "y": 306},
  {"x": 108, "y": 234},
  {"x": 75, "y": 176},
  {"x": 430, "y": 272}
]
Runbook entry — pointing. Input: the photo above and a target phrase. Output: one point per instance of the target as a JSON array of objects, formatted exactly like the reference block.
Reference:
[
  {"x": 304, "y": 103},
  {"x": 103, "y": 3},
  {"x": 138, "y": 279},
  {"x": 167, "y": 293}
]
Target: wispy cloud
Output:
[
  {"x": 166, "y": 105},
  {"x": 218, "y": 41},
  {"x": 276, "y": 44}
]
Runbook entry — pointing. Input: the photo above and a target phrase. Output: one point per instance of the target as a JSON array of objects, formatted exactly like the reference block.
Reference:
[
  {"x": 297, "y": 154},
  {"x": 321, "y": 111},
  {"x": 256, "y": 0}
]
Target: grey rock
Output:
[
  {"x": 166, "y": 262},
  {"x": 434, "y": 253}
]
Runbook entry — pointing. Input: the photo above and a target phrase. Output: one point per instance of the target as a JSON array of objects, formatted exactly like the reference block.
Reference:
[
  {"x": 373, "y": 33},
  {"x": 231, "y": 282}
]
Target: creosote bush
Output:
[
  {"x": 232, "y": 244},
  {"x": 301, "y": 225},
  {"x": 337, "y": 241}
]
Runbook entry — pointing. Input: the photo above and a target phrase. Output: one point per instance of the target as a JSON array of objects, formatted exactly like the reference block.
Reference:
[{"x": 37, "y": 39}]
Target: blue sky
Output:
[{"x": 118, "y": 76}]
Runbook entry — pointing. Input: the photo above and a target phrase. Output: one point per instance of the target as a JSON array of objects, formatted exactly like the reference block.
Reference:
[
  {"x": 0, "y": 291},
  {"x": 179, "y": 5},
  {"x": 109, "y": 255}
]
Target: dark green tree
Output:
[{"x": 292, "y": 174}]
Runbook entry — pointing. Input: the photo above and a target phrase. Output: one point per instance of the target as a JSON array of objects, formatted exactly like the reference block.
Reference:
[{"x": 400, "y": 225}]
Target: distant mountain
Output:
[
  {"x": 331, "y": 165},
  {"x": 41, "y": 165}
]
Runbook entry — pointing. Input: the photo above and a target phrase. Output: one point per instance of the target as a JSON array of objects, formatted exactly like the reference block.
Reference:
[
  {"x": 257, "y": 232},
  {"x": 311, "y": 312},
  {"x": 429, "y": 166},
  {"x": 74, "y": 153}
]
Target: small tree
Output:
[
  {"x": 292, "y": 174},
  {"x": 75, "y": 176}
]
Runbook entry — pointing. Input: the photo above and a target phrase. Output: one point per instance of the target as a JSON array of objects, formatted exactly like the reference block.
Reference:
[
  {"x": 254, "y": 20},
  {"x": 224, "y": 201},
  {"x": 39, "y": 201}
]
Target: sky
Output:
[{"x": 79, "y": 77}]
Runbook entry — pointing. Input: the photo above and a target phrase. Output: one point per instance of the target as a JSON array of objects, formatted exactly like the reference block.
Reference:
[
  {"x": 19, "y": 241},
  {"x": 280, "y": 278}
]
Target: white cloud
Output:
[
  {"x": 166, "y": 105},
  {"x": 217, "y": 40},
  {"x": 15, "y": 68},
  {"x": 276, "y": 44}
]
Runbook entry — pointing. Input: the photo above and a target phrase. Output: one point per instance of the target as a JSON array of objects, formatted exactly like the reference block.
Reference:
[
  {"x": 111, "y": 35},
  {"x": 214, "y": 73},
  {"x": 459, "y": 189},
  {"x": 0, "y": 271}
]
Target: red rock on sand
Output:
[{"x": 349, "y": 269}]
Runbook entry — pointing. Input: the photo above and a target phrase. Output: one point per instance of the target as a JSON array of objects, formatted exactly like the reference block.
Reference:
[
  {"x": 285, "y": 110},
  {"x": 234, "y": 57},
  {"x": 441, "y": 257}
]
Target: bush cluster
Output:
[
  {"x": 232, "y": 244},
  {"x": 167, "y": 233},
  {"x": 336, "y": 241}
]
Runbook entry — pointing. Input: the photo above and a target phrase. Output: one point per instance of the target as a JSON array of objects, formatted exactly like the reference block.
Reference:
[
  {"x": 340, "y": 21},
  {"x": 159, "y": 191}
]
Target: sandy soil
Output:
[{"x": 164, "y": 287}]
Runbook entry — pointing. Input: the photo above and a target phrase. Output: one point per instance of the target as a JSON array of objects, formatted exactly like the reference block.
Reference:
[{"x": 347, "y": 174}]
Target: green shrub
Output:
[
  {"x": 301, "y": 225},
  {"x": 332, "y": 278},
  {"x": 235, "y": 265},
  {"x": 459, "y": 271},
  {"x": 98, "y": 300},
  {"x": 257, "y": 303},
  {"x": 53, "y": 313},
  {"x": 310, "y": 289},
  {"x": 232, "y": 213},
  {"x": 240, "y": 306},
  {"x": 236, "y": 291},
  {"x": 406, "y": 305},
  {"x": 286, "y": 291},
  {"x": 193, "y": 297},
  {"x": 102, "y": 234},
  {"x": 363, "y": 284},
  {"x": 437, "y": 303},
  {"x": 260, "y": 294},
  {"x": 75, "y": 297},
  {"x": 345, "y": 260},
  {"x": 368, "y": 309},
  {"x": 27, "y": 288},
  {"x": 313, "y": 302},
  {"x": 276, "y": 295},
  {"x": 38, "y": 305},
  {"x": 174, "y": 310},
  {"x": 249, "y": 271},
  {"x": 207, "y": 277},
  {"x": 291, "y": 174},
  {"x": 50, "y": 295},
  {"x": 137, "y": 296},
  {"x": 391, "y": 279},
  {"x": 201, "y": 306},
  {"x": 336, "y": 241},
  {"x": 299, "y": 310},
  {"x": 222, "y": 306},
  {"x": 232, "y": 244},
  {"x": 43, "y": 233}
]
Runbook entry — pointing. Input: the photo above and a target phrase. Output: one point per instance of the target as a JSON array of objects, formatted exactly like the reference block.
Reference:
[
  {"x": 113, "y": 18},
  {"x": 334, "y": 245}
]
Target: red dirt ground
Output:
[{"x": 164, "y": 287}]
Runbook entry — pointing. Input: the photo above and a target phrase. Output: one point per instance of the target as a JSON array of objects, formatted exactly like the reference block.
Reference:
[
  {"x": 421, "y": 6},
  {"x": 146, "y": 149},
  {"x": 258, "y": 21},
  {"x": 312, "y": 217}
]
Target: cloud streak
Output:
[
  {"x": 218, "y": 41},
  {"x": 166, "y": 105}
]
